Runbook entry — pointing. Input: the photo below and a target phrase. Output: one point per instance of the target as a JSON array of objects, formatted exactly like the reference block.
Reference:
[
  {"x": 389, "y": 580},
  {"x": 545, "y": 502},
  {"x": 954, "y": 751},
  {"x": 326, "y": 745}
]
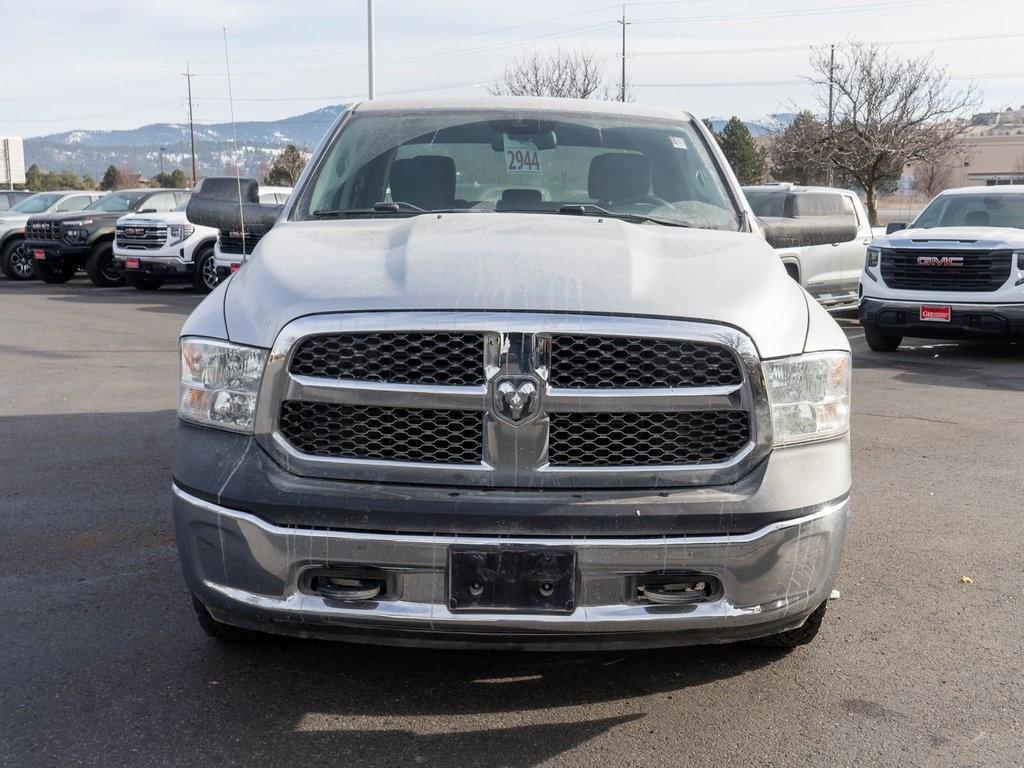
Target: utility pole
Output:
[
  {"x": 831, "y": 113},
  {"x": 162, "y": 150},
  {"x": 369, "y": 45},
  {"x": 191, "y": 126},
  {"x": 624, "y": 23}
]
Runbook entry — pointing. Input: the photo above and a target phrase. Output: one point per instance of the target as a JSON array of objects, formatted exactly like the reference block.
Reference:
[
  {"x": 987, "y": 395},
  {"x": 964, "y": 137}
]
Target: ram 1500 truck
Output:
[
  {"x": 820, "y": 233},
  {"x": 63, "y": 243},
  {"x": 232, "y": 249},
  {"x": 956, "y": 273},
  {"x": 151, "y": 249},
  {"x": 15, "y": 261},
  {"x": 517, "y": 372}
]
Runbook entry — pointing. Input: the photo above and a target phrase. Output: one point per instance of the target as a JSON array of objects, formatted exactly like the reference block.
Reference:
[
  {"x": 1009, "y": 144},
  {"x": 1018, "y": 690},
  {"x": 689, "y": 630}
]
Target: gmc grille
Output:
[
  {"x": 231, "y": 242},
  {"x": 43, "y": 230},
  {"x": 980, "y": 270},
  {"x": 140, "y": 237}
]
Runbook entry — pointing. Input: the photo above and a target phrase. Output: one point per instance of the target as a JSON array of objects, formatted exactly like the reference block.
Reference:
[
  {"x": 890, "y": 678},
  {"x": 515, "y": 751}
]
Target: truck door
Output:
[{"x": 853, "y": 252}]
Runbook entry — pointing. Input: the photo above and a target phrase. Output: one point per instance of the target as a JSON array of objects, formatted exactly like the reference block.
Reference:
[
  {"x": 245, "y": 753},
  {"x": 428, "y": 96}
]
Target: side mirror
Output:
[
  {"x": 215, "y": 203},
  {"x": 895, "y": 226},
  {"x": 148, "y": 210},
  {"x": 807, "y": 231}
]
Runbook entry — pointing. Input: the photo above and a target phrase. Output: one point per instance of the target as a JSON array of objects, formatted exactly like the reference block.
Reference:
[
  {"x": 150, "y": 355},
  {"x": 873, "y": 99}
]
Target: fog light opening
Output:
[
  {"x": 677, "y": 589},
  {"x": 349, "y": 585}
]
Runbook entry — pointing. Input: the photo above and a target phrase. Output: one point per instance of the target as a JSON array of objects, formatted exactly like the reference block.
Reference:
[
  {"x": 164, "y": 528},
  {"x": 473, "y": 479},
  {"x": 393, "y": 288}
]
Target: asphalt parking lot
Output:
[{"x": 102, "y": 662}]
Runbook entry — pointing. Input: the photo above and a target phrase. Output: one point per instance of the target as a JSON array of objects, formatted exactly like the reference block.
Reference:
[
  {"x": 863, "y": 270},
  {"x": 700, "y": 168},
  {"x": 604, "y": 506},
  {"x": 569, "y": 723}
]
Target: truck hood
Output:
[
  {"x": 956, "y": 237},
  {"x": 96, "y": 216},
  {"x": 9, "y": 221},
  {"x": 516, "y": 262}
]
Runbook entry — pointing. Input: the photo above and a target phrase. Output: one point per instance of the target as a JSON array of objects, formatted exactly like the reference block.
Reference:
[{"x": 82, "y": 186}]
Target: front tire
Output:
[
  {"x": 881, "y": 342},
  {"x": 16, "y": 262},
  {"x": 100, "y": 267},
  {"x": 205, "y": 278},
  {"x": 53, "y": 272},
  {"x": 145, "y": 282},
  {"x": 794, "y": 638}
]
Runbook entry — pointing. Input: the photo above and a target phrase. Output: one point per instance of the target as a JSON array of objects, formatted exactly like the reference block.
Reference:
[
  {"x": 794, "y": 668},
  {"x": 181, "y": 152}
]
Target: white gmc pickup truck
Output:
[
  {"x": 956, "y": 273},
  {"x": 515, "y": 372}
]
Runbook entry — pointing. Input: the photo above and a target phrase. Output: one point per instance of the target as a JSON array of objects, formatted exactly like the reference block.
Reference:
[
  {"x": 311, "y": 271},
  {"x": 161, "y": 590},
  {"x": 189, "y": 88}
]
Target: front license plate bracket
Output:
[{"x": 511, "y": 579}]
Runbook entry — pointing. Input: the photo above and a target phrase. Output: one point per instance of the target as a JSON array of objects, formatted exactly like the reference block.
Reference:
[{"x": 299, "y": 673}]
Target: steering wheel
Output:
[{"x": 647, "y": 200}]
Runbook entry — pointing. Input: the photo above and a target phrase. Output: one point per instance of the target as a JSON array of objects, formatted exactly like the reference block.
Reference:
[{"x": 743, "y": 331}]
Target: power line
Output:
[{"x": 796, "y": 12}]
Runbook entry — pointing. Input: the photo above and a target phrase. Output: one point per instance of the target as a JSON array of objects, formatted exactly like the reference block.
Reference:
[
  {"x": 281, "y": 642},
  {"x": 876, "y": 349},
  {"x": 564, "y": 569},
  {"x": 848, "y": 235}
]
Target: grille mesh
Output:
[
  {"x": 980, "y": 271},
  {"x": 610, "y": 362},
  {"x": 395, "y": 434},
  {"x": 632, "y": 439},
  {"x": 230, "y": 243},
  {"x": 453, "y": 359}
]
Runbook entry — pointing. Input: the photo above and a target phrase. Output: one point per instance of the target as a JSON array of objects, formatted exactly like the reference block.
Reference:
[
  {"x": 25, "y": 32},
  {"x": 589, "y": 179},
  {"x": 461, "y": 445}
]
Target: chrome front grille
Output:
[
  {"x": 140, "y": 236},
  {"x": 454, "y": 359},
  {"x": 513, "y": 400},
  {"x": 646, "y": 439},
  {"x": 628, "y": 362},
  {"x": 388, "y": 434}
]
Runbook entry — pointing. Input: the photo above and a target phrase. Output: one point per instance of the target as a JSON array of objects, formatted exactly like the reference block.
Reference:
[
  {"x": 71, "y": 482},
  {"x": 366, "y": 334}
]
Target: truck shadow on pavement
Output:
[
  {"x": 100, "y": 637},
  {"x": 170, "y": 299}
]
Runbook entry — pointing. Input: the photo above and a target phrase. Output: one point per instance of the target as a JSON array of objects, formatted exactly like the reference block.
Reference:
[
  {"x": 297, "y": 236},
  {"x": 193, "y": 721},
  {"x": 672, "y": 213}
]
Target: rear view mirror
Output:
[
  {"x": 215, "y": 203},
  {"x": 895, "y": 226}
]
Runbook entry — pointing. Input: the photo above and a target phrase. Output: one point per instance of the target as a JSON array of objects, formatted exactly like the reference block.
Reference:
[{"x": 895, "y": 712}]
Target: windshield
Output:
[
  {"x": 493, "y": 160},
  {"x": 117, "y": 202},
  {"x": 36, "y": 203},
  {"x": 974, "y": 210}
]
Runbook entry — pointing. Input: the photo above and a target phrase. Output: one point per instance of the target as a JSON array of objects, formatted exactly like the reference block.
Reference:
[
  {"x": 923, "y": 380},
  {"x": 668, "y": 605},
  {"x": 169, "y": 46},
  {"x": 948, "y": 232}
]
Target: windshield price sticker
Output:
[{"x": 521, "y": 156}]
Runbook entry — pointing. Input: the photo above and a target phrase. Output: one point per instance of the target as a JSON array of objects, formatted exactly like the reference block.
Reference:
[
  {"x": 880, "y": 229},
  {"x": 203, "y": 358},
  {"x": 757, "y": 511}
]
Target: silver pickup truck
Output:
[{"x": 510, "y": 372}]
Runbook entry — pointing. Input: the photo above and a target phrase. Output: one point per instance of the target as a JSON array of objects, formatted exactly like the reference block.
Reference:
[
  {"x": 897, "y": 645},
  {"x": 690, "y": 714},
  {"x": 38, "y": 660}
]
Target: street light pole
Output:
[
  {"x": 369, "y": 46},
  {"x": 162, "y": 161}
]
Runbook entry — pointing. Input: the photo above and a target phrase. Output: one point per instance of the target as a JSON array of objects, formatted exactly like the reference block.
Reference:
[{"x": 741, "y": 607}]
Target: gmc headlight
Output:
[
  {"x": 219, "y": 383},
  {"x": 809, "y": 396},
  {"x": 1018, "y": 254},
  {"x": 177, "y": 233},
  {"x": 873, "y": 256}
]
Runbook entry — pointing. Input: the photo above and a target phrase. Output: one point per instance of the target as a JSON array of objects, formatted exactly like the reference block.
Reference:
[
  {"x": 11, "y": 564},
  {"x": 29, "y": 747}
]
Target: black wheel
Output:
[
  {"x": 224, "y": 633},
  {"x": 794, "y": 638},
  {"x": 205, "y": 278},
  {"x": 145, "y": 282},
  {"x": 53, "y": 271},
  {"x": 100, "y": 267},
  {"x": 881, "y": 342},
  {"x": 16, "y": 262}
]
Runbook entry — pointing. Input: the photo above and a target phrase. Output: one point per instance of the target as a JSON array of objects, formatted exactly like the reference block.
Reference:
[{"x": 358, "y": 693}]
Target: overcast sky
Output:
[{"x": 109, "y": 64}]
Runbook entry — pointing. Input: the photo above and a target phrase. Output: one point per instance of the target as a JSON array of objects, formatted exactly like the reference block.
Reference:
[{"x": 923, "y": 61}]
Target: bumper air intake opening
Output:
[
  {"x": 676, "y": 589},
  {"x": 349, "y": 584}
]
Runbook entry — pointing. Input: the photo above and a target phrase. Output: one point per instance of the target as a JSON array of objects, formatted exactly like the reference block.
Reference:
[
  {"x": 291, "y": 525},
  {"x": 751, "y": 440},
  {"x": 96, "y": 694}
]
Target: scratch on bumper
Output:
[{"x": 249, "y": 570}]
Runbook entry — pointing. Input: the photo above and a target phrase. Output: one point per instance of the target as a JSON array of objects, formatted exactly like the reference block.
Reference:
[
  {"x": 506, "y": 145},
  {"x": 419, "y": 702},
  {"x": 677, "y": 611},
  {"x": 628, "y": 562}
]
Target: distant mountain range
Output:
[
  {"x": 761, "y": 127},
  {"x": 91, "y": 152},
  {"x": 138, "y": 149}
]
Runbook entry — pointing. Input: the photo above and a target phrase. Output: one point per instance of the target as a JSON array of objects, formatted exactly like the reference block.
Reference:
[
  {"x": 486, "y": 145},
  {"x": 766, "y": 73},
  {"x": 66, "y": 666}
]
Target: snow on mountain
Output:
[{"x": 90, "y": 152}]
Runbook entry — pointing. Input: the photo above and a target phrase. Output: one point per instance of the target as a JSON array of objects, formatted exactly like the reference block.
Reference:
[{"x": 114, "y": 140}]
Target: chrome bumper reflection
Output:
[{"x": 245, "y": 566}]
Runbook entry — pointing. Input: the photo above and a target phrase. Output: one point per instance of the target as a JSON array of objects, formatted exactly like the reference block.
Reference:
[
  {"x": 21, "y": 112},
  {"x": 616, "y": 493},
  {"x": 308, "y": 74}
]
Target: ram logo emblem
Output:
[{"x": 516, "y": 398}]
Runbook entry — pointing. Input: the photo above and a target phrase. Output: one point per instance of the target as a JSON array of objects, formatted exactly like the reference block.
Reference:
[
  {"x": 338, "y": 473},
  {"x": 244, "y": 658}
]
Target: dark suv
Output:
[{"x": 61, "y": 244}]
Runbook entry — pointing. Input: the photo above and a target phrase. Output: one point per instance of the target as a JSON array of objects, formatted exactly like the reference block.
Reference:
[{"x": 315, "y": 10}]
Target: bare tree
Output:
[
  {"x": 935, "y": 175},
  {"x": 889, "y": 112},
  {"x": 571, "y": 74}
]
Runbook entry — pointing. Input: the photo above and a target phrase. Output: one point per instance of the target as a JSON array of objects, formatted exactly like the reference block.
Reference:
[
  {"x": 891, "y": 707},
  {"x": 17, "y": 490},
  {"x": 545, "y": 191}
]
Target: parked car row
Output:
[{"x": 140, "y": 237}]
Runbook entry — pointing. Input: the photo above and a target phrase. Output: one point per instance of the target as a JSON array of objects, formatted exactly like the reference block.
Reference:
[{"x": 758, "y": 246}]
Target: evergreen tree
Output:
[
  {"x": 746, "y": 158},
  {"x": 111, "y": 178},
  {"x": 287, "y": 167},
  {"x": 34, "y": 178}
]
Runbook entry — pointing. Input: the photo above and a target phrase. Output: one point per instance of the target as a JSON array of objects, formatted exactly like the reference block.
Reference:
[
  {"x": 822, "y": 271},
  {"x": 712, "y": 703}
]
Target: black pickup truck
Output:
[{"x": 63, "y": 243}]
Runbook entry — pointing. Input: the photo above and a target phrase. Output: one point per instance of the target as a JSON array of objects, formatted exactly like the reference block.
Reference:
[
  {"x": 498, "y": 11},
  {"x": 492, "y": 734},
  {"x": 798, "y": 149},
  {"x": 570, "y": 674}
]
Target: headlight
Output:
[
  {"x": 1018, "y": 254},
  {"x": 873, "y": 256},
  {"x": 177, "y": 233},
  {"x": 809, "y": 396},
  {"x": 220, "y": 383},
  {"x": 79, "y": 223}
]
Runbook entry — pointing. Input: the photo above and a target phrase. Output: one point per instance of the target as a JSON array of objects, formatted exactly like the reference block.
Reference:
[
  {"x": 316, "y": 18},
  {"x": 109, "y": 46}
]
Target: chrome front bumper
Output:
[{"x": 248, "y": 573}]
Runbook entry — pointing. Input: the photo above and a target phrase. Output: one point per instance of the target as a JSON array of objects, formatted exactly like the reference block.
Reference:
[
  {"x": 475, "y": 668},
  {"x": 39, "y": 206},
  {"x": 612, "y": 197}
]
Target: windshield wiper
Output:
[
  {"x": 589, "y": 209},
  {"x": 378, "y": 208}
]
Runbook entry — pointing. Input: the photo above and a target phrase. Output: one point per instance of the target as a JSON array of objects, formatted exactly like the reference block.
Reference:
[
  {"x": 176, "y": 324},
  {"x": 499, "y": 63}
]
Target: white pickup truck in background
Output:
[{"x": 820, "y": 233}]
